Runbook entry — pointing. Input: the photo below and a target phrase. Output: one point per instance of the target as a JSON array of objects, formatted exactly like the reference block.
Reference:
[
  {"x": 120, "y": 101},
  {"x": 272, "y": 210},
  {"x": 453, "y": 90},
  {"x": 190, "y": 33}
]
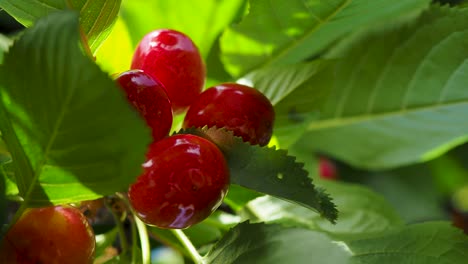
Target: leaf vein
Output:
[{"x": 285, "y": 51}]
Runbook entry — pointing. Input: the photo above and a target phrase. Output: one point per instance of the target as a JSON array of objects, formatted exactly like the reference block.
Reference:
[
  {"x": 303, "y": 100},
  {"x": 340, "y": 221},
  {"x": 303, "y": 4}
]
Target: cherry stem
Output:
[
  {"x": 189, "y": 246},
  {"x": 144, "y": 240},
  {"x": 142, "y": 233},
  {"x": 119, "y": 225}
]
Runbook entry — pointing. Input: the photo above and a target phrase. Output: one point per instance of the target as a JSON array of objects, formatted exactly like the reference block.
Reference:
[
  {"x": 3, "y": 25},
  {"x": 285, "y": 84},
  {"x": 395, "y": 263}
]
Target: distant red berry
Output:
[
  {"x": 239, "y": 108},
  {"x": 173, "y": 59},
  {"x": 53, "y": 235},
  {"x": 185, "y": 179},
  {"x": 327, "y": 169},
  {"x": 150, "y": 99}
]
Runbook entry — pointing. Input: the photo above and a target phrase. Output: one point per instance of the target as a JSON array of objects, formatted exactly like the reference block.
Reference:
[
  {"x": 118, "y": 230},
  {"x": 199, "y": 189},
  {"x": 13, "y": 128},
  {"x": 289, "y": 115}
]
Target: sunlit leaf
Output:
[
  {"x": 431, "y": 243},
  {"x": 270, "y": 244},
  {"x": 269, "y": 171},
  {"x": 397, "y": 96},
  {"x": 71, "y": 133},
  {"x": 361, "y": 212},
  {"x": 96, "y": 16},
  {"x": 285, "y": 32}
]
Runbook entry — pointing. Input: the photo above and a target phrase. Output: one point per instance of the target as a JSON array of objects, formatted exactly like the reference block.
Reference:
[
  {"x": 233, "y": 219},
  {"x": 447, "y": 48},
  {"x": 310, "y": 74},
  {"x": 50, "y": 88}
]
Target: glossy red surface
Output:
[
  {"x": 53, "y": 235},
  {"x": 173, "y": 59},
  {"x": 148, "y": 96},
  {"x": 242, "y": 109},
  {"x": 185, "y": 180}
]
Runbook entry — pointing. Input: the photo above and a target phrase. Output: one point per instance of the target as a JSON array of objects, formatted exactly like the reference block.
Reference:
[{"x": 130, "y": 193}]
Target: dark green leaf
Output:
[
  {"x": 3, "y": 211},
  {"x": 71, "y": 133},
  {"x": 398, "y": 96},
  {"x": 361, "y": 212},
  {"x": 285, "y": 32},
  {"x": 269, "y": 171},
  {"x": 269, "y": 244},
  {"x": 97, "y": 16},
  {"x": 449, "y": 172},
  {"x": 427, "y": 243},
  {"x": 412, "y": 192},
  {"x": 27, "y": 12},
  {"x": 239, "y": 196}
]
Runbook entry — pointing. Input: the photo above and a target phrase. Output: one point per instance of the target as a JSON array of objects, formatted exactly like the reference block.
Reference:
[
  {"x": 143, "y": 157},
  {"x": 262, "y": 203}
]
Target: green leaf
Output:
[
  {"x": 97, "y": 16},
  {"x": 3, "y": 211},
  {"x": 277, "y": 82},
  {"x": 412, "y": 192},
  {"x": 70, "y": 130},
  {"x": 361, "y": 212},
  {"x": 96, "y": 19},
  {"x": 260, "y": 243},
  {"x": 449, "y": 172},
  {"x": 5, "y": 44},
  {"x": 27, "y": 12},
  {"x": 11, "y": 188},
  {"x": 286, "y": 32},
  {"x": 426, "y": 243},
  {"x": 292, "y": 91},
  {"x": 269, "y": 171},
  {"x": 118, "y": 42},
  {"x": 431, "y": 242},
  {"x": 398, "y": 96},
  {"x": 201, "y": 20},
  {"x": 239, "y": 196}
]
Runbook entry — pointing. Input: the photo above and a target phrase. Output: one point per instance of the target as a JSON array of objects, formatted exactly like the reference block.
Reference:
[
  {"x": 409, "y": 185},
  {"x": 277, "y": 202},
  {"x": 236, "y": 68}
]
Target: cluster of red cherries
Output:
[{"x": 185, "y": 176}]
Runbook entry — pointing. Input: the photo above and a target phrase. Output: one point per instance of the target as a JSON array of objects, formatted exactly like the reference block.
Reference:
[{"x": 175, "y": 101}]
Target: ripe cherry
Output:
[
  {"x": 150, "y": 99},
  {"x": 185, "y": 179},
  {"x": 239, "y": 108},
  {"x": 59, "y": 234},
  {"x": 327, "y": 169},
  {"x": 173, "y": 59}
]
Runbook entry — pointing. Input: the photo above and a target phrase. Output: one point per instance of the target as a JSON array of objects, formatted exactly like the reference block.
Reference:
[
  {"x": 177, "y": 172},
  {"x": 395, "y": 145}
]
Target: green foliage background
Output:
[{"x": 377, "y": 85}]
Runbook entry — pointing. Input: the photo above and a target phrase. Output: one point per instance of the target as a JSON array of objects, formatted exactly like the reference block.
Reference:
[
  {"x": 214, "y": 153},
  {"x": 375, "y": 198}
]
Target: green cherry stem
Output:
[
  {"x": 142, "y": 232},
  {"x": 144, "y": 240},
  {"x": 118, "y": 224},
  {"x": 197, "y": 259}
]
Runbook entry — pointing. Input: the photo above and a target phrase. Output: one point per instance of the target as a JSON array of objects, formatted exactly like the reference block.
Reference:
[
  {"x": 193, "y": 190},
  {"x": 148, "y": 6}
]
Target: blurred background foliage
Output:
[{"x": 433, "y": 190}]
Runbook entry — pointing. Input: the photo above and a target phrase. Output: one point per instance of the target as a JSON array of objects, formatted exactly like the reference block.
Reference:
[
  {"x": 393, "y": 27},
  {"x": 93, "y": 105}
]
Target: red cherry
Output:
[
  {"x": 54, "y": 235},
  {"x": 185, "y": 179},
  {"x": 172, "y": 58},
  {"x": 150, "y": 99},
  {"x": 239, "y": 108},
  {"x": 327, "y": 169}
]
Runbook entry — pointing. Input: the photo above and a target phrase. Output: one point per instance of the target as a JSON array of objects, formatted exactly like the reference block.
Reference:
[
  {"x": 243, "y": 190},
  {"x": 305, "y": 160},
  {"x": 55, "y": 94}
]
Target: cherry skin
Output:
[
  {"x": 239, "y": 108},
  {"x": 185, "y": 179},
  {"x": 149, "y": 97},
  {"x": 54, "y": 235},
  {"x": 172, "y": 58}
]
